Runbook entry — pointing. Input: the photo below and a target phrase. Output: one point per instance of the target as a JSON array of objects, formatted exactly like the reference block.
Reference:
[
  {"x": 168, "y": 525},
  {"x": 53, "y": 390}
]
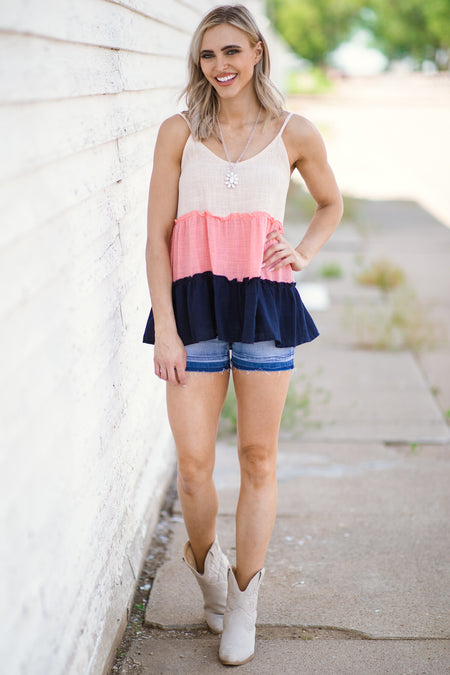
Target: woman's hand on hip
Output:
[
  {"x": 279, "y": 253},
  {"x": 170, "y": 359}
]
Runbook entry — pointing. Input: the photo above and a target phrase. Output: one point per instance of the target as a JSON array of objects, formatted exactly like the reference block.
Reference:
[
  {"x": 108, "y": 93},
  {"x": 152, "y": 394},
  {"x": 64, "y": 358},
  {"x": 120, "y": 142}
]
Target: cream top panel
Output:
[{"x": 263, "y": 181}]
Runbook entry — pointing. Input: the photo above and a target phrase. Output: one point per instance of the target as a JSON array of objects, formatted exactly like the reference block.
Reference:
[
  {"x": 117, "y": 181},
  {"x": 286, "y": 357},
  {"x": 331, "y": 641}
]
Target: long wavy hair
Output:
[{"x": 202, "y": 101}]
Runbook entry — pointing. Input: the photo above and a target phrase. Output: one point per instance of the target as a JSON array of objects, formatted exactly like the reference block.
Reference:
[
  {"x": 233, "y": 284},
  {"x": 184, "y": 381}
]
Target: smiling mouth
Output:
[{"x": 226, "y": 78}]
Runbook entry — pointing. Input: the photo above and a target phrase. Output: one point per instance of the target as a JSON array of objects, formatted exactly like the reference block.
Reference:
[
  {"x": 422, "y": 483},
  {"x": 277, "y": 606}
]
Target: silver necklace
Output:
[{"x": 231, "y": 176}]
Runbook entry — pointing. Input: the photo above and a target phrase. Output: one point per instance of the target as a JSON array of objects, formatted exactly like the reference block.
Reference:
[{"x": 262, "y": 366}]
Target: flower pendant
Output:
[{"x": 231, "y": 179}]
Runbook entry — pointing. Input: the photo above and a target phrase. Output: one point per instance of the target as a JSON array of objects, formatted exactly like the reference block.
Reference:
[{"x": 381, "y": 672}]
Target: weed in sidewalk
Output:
[
  {"x": 331, "y": 270},
  {"x": 382, "y": 273},
  {"x": 402, "y": 322},
  {"x": 298, "y": 405},
  {"x": 228, "y": 417}
]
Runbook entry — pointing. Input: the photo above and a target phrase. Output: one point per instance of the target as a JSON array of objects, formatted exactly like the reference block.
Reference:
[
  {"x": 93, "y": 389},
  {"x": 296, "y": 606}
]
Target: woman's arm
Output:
[
  {"x": 307, "y": 153},
  {"x": 170, "y": 354}
]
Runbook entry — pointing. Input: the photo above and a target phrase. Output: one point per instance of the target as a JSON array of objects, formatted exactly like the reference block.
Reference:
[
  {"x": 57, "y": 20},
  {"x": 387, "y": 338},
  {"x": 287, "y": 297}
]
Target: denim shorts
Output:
[{"x": 213, "y": 356}]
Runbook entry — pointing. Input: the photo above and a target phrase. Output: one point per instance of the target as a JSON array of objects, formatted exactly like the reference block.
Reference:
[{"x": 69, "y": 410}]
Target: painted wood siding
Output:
[{"x": 86, "y": 453}]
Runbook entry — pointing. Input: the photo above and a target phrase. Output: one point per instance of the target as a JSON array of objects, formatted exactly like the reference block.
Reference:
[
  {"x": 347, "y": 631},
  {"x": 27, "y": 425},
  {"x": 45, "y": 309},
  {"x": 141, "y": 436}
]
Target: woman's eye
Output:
[{"x": 229, "y": 52}]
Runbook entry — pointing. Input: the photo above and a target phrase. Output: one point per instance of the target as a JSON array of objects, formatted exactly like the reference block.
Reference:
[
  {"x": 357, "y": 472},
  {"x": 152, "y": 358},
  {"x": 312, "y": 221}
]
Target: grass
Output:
[
  {"x": 228, "y": 418},
  {"x": 298, "y": 405},
  {"x": 331, "y": 270},
  {"x": 313, "y": 81},
  {"x": 383, "y": 274},
  {"x": 402, "y": 322}
]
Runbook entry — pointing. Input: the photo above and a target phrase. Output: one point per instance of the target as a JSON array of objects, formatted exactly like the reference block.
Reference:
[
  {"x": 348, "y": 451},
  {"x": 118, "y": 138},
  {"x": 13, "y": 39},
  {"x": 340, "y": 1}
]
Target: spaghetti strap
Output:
[
  {"x": 185, "y": 119},
  {"x": 288, "y": 117}
]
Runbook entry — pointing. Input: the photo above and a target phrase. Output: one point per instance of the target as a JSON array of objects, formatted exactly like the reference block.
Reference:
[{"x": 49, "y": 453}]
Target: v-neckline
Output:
[{"x": 243, "y": 161}]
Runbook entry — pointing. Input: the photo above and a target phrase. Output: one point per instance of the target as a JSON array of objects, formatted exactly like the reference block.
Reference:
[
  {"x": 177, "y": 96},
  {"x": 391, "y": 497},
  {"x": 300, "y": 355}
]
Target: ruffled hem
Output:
[
  {"x": 234, "y": 215},
  {"x": 208, "y": 306}
]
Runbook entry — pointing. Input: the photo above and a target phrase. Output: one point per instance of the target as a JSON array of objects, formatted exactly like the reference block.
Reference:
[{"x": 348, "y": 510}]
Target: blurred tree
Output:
[
  {"x": 411, "y": 27},
  {"x": 313, "y": 28},
  {"x": 438, "y": 19},
  {"x": 437, "y": 13}
]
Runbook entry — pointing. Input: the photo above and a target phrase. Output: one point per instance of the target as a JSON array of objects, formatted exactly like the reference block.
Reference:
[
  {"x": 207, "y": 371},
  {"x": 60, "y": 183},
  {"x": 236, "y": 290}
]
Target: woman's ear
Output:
[{"x": 258, "y": 52}]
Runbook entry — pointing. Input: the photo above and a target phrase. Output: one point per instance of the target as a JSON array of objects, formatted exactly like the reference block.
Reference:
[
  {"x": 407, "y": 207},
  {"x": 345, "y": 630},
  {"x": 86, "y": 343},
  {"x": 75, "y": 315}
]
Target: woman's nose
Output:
[{"x": 221, "y": 63}]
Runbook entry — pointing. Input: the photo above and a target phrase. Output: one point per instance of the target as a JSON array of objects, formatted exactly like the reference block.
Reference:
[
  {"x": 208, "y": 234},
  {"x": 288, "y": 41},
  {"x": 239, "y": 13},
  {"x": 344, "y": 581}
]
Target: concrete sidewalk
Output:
[{"x": 357, "y": 572}]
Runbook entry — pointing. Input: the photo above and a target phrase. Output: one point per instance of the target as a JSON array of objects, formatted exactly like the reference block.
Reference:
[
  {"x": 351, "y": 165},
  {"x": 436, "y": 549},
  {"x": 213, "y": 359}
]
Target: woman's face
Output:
[{"x": 227, "y": 59}]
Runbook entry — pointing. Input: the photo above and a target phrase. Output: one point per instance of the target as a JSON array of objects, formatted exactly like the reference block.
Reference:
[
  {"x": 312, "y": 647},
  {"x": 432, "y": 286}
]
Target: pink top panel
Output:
[{"x": 232, "y": 246}]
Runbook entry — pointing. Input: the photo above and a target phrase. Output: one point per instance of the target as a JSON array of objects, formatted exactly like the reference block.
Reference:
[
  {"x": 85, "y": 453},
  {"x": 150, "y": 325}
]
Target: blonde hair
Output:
[{"x": 202, "y": 101}]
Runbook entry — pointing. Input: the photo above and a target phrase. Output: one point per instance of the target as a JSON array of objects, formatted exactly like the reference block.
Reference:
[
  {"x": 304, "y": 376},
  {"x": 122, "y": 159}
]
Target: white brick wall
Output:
[{"x": 86, "y": 453}]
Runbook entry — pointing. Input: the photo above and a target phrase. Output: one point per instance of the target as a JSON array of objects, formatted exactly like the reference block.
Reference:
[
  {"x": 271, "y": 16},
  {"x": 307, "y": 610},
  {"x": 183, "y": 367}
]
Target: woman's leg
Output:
[
  {"x": 260, "y": 400},
  {"x": 194, "y": 412}
]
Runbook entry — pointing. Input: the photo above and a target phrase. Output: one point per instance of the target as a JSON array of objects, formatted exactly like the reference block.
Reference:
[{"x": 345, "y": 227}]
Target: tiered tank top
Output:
[{"x": 220, "y": 288}]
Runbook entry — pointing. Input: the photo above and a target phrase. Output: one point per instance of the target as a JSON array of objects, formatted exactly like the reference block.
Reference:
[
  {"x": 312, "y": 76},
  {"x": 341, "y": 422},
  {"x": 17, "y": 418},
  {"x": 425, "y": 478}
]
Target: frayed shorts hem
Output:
[
  {"x": 195, "y": 367},
  {"x": 215, "y": 356},
  {"x": 267, "y": 367}
]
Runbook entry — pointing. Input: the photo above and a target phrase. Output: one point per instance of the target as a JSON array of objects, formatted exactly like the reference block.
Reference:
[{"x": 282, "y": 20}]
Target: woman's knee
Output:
[
  {"x": 258, "y": 463},
  {"x": 193, "y": 475}
]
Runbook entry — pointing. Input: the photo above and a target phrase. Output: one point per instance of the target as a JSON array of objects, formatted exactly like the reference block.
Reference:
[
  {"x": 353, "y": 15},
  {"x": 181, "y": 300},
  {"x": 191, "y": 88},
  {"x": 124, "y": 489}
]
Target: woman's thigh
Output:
[
  {"x": 260, "y": 400},
  {"x": 194, "y": 412}
]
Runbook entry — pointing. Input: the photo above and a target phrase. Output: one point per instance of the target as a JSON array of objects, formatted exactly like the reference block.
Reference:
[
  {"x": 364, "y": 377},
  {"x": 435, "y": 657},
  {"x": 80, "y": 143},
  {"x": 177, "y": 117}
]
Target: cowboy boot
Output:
[
  {"x": 237, "y": 645},
  {"x": 213, "y": 583}
]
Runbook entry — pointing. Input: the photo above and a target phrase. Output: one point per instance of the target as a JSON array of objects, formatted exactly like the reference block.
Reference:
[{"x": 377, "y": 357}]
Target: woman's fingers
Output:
[
  {"x": 280, "y": 261},
  {"x": 170, "y": 359},
  {"x": 279, "y": 253},
  {"x": 160, "y": 371},
  {"x": 172, "y": 375},
  {"x": 177, "y": 375},
  {"x": 170, "y": 372},
  {"x": 180, "y": 373}
]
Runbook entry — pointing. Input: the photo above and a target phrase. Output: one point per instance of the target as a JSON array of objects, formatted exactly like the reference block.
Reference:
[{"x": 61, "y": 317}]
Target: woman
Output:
[{"x": 220, "y": 274}]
